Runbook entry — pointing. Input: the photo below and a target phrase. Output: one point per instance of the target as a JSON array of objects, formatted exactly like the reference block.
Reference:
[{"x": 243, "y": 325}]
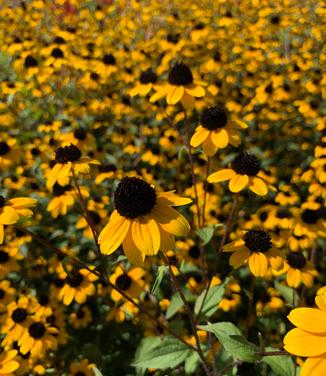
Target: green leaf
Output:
[
  {"x": 206, "y": 233},
  {"x": 97, "y": 372},
  {"x": 212, "y": 300},
  {"x": 146, "y": 344},
  {"x": 160, "y": 275},
  {"x": 168, "y": 353},
  {"x": 192, "y": 363},
  {"x": 281, "y": 365},
  {"x": 232, "y": 340},
  {"x": 287, "y": 293},
  {"x": 175, "y": 304}
]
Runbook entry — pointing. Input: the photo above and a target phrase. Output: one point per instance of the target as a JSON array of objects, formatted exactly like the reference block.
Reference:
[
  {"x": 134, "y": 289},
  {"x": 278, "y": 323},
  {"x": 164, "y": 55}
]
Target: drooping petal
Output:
[
  {"x": 221, "y": 175},
  {"x": 302, "y": 343},
  {"x": 171, "y": 199},
  {"x": 233, "y": 246},
  {"x": 293, "y": 277},
  {"x": 113, "y": 234},
  {"x": 167, "y": 240},
  {"x": 8, "y": 216},
  {"x": 321, "y": 302},
  {"x": 309, "y": 319},
  {"x": 220, "y": 138},
  {"x": 209, "y": 147},
  {"x": 161, "y": 93},
  {"x": 146, "y": 235},
  {"x": 171, "y": 220},
  {"x": 2, "y": 233},
  {"x": 238, "y": 182},
  {"x": 63, "y": 176},
  {"x": 199, "y": 136},
  {"x": 174, "y": 95},
  {"x": 134, "y": 255},
  {"x": 275, "y": 258},
  {"x": 195, "y": 91},
  {"x": 258, "y": 264},
  {"x": 314, "y": 366},
  {"x": 53, "y": 175},
  {"x": 258, "y": 186},
  {"x": 238, "y": 258},
  {"x": 188, "y": 101}
]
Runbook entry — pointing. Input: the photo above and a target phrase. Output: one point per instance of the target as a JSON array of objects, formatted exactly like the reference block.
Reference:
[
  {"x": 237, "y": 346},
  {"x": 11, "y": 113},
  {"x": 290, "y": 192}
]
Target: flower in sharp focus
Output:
[
  {"x": 13, "y": 209},
  {"x": 256, "y": 248},
  {"x": 68, "y": 160},
  {"x": 143, "y": 221},
  {"x": 8, "y": 364},
  {"x": 180, "y": 87},
  {"x": 216, "y": 130},
  {"x": 244, "y": 171},
  {"x": 308, "y": 339}
]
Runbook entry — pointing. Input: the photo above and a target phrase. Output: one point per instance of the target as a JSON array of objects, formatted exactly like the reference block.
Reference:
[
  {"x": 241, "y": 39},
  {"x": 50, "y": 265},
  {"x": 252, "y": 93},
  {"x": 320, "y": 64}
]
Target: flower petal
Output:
[
  {"x": 146, "y": 235},
  {"x": 209, "y": 147},
  {"x": 302, "y": 343},
  {"x": 199, "y": 136},
  {"x": 196, "y": 91},
  {"x": 238, "y": 182},
  {"x": 221, "y": 175},
  {"x": 53, "y": 175},
  {"x": 174, "y": 95},
  {"x": 220, "y": 138},
  {"x": 170, "y": 220},
  {"x": 275, "y": 258},
  {"x": 239, "y": 257},
  {"x": 309, "y": 319},
  {"x": 258, "y": 186},
  {"x": 293, "y": 277},
  {"x": 8, "y": 216},
  {"x": 134, "y": 255},
  {"x": 171, "y": 199},
  {"x": 315, "y": 366},
  {"x": 258, "y": 264}
]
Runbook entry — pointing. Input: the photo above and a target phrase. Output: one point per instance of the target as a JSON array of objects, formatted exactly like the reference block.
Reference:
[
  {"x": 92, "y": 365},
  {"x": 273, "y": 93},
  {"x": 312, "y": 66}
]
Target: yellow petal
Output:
[
  {"x": 238, "y": 258},
  {"x": 53, "y": 175},
  {"x": 170, "y": 220},
  {"x": 22, "y": 202},
  {"x": 209, "y": 147},
  {"x": 146, "y": 235},
  {"x": 171, "y": 199},
  {"x": 275, "y": 258},
  {"x": 161, "y": 93},
  {"x": 309, "y": 319},
  {"x": 315, "y": 366},
  {"x": 8, "y": 216},
  {"x": 134, "y": 255},
  {"x": 220, "y": 138},
  {"x": 199, "y": 136},
  {"x": 196, "y": 91},
  {"x": 188, "y": 102},
  {"x": 167, "y": 240},
  {"x": 233, "y": 246},
  {"x": 2, "y": 233},
  {"x": 9, "y": 367},
  {"x": 320, "y": 301},
  {"x": 238, "y": 182},
  {"x": 63, "y": 176},
  {"x": 113, "y": 235},
  {"x": 258, "y": 186},
  {"x": 221, "y": 175},
  {"x": 258, "y": 264},
  {"x": 293, "y": 277},
  {"x": 302, "y": 343},
  {"x": 175, "y": 95}
]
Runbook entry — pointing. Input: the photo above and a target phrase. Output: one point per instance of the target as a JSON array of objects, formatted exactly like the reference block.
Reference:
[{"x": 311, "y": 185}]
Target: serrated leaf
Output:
[
  {"x": 168, "y": 353},
  {"x": 206, "y": 233},
  {"x": 232, "y": 340},
  {"x": 175, "y": 304},
  {"x": 212, "y": 300},
  {"x": 192, "y": 363},
  {"x": 281, "y": 365},
  {"x": 162, "y": 270}
]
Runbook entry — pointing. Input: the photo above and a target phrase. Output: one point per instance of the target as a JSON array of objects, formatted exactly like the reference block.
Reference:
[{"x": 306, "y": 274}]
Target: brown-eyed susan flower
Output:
[
  {"x": 147, "y": 80},
  {"x": 308, "y": 339},
  {"x": 131, "y": 282},
  {"x": 298, "y": 270},
  {"x": 180, "y": 87},
  {"x": 143, "y": 221},
  {"x": 13, "y": 209},
  {"x": 82, "y": 368},
  {"x": 81, "y": 318},
  {"x": 78, "y": 286},
  {"x": 245, "y": 171},
  {"x": 68, "y": 160},
  {"x": 257, "y": 249},
  {"x": 38, "y": 338},
  {"x": 8, "y": 364},
  {"x": 216, "y": 131}
]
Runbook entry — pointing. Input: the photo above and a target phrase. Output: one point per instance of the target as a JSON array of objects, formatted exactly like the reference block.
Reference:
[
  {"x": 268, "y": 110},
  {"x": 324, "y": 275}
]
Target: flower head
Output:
[{"x": 143, "y": 221}]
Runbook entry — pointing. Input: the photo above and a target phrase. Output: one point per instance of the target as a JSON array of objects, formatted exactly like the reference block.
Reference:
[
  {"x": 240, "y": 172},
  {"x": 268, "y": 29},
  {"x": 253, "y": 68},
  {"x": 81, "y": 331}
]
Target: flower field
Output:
[{"x": 162, "y": 188}]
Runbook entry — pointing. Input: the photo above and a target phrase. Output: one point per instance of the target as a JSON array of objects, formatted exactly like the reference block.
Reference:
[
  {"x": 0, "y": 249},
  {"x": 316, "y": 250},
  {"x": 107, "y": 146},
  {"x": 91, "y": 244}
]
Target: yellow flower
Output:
[
  {"x": 308, "y": 339},
  {"x": 68, "y": 159},
  {"x": 257, "y": 249},
  {"x": 12, "y": 210},
  {"x": 82, "y": 368},
  {"x": 180, "y": 87},
  {"x": 244, "y": 171},
  {"x": 7, "y": 363},
  {"x": 143, "y": 221},
  {"x": 147, "y": 80},
  {"x": 216, "y": 131}
]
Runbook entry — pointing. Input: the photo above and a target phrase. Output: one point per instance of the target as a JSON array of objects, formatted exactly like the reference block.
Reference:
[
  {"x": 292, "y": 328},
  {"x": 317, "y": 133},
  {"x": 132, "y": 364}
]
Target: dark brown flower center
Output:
[
  {"x": 67, "y": 154},
  {"x": 257, "y": 241},
  {"x": 214, "y": 118},
  {"x": 37, "y": 330},
  {"x": 148, "y": 77},
  {"x": 123, "y": 282},
  {"x": 296, "y": 260},
  {"x": 180, "y": 75},
  {"x": 246, "y": 164}
]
